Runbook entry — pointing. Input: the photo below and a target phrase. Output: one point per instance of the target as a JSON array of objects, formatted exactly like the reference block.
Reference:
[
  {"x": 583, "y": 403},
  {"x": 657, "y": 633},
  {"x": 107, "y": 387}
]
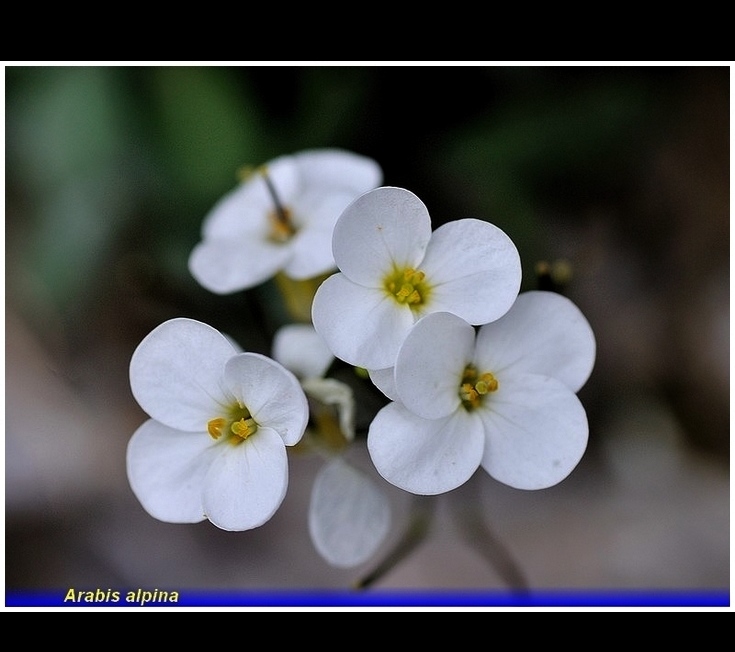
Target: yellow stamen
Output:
[
  {"x": 407, "y": 286},
  {"x": 281, "y": 218},
  {"x": 238, "y": 424},
  {"x": 472, "y": 390},
  {"x": 487, "y": 383},
  {"x": 282, "y": 227},
  {"x": 404, "y": 293},
  {"x": 468, "y": 393},
  {"x": 244, "y": 428},
  {"x": 214, "y": 427}
]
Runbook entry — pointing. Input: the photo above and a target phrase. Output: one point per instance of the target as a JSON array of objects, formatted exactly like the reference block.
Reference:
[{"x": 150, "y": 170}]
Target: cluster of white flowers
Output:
[{"x": 474, "y": 373}]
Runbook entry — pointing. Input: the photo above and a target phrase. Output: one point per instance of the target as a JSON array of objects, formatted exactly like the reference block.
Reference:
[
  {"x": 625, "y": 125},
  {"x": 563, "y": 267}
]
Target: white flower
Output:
[
  {"x": 394, "y": 270},
  {"x": 215, "y": 446},
  {"x": 300, "y": 349},
  {"x": 349, "y": 516},
  {"x": 280, "y": 219},
  {"x": 504, "y": 399}
]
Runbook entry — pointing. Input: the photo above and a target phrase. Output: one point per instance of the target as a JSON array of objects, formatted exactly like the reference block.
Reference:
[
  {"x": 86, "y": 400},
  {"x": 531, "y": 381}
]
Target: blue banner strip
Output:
[{"x": 150, "y": 597}]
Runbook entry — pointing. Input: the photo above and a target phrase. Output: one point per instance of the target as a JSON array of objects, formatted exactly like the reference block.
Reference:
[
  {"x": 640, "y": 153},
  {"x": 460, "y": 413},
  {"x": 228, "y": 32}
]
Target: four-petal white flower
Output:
[
  {"x": 503, "y": 398},
  {"x": 280, "y": 219},
  {"x": 215, "y": 445},
  {"x": 394, "y": 270}
]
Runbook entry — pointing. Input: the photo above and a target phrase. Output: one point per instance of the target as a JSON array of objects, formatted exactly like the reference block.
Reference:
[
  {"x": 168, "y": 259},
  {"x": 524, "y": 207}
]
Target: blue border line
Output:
[{"x": 383, "y": 598}]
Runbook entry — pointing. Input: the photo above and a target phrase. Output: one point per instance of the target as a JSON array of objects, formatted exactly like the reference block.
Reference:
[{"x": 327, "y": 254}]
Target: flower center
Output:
[
  {"x": 407, "y": 286},
  {"x": 281, "y": 217},
  {"x": 238, "y": 425},
  {"x": 475, "y": 386},
  {"x": 282, "y": 227}
]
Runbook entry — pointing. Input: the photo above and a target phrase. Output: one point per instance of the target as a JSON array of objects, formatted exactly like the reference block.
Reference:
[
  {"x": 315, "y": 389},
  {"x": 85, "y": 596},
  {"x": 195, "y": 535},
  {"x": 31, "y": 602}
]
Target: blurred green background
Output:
[{"x": 619, "y": 174}]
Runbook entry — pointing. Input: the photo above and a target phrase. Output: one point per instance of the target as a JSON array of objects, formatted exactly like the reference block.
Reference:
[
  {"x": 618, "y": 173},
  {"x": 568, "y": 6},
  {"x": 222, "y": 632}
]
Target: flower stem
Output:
[
  {"x": 417, "y": 530},
  {"x": 488, "y": 544},
  {"x": 298, "y": 295}
]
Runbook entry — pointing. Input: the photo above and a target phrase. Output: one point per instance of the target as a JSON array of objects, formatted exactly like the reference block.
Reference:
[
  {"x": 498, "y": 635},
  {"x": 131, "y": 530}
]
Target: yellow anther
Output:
[
  {"x": 244, "y": 428},
  {"x": 468, "y": 393},
  {"x": 414, "y": 276},
  {"x": 280, "y": 218},
  {"x": 405, "y": 292},
  {"x": 407, "y": 286},
  {"x": 472, "y": 390},
  {"x": 487, "y": 383},
  {"x": 237, "y": 425},
  {"x": 282, "y": 227},
  {"x": 214, "y": 427}
]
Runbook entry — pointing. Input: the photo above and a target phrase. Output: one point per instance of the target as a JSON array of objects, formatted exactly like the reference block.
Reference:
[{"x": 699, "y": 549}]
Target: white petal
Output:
[
  {"x": 316, "y": 212},
  {"x": 284, "y": 176},
  {"x": 338, "y": 169},
  {"x": 474, "y": 270},
  {"x": 425, "y": 456},
  {"x": 382, "y": 228},
  {"x": 361, "y": 326},
  {"x": 271, "y": 393},
  {"x": 385, "y": 381},
  {"x": 330, "y": 180},
  {"x": 543, "y": 333},
  {"x": 176, "y": 373},
  {"x": 321, "y": 207},
  {"x": 430, "y": 364},
  {"x": 228, "y": 264},
  {"x": 311, "y": 249},
  {"x": 247, "y": 483},
  {"x": 166, "y": 470},
  {"x": 300, "y": 349},
  {"x": 337, "y": 394},
  {"x": 241, "y": 212},
  {"x": 349, "y": 515},
  {"x": 536, "y": 430}
]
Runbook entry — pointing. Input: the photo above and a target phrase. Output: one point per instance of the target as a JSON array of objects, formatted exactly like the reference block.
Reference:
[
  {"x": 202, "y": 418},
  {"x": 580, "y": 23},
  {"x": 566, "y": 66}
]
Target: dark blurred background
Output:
[{"x": 614, "y": 183}]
